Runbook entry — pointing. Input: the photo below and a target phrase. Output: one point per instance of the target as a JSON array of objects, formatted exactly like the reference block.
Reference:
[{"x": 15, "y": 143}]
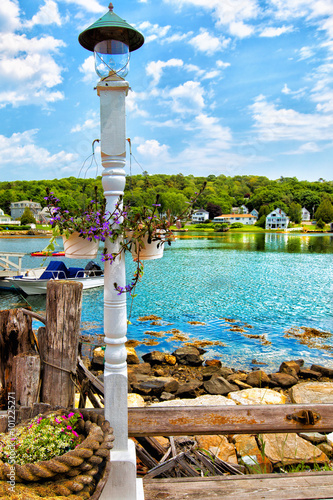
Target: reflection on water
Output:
[{"x": 265, "y": 283}]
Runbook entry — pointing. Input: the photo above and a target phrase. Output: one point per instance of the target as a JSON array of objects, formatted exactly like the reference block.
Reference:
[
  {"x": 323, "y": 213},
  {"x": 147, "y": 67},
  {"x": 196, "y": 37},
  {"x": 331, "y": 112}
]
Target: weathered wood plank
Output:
[
  {"x": 301, "y": 486},
  {"x": 58, "y": 342},
  {"x": 26, "y": 378},
  {"x": 181, "y": 421}
]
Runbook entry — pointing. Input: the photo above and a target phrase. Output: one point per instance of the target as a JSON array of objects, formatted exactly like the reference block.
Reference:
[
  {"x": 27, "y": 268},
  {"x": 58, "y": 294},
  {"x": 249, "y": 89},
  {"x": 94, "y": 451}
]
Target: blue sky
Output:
[{"x": 233, "y": 87}]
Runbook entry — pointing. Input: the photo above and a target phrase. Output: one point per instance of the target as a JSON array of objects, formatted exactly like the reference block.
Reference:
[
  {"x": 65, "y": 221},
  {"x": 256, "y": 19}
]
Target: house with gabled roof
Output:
[
  {"x": 277, "y": 220},
  {"x": 247, "y": 219}
]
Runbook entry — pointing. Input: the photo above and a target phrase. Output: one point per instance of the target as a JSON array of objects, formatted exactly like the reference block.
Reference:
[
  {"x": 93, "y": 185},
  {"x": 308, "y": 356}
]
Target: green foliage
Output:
[
  {"x": 295, "y": 212},
  {"x": 321, "y": 224},
  {"x": 221, "y": 228},
  {"x": 27, "y": 217},
  {"x": 325, "y": 210},
  {"x": 236, "y": 225},
  {"x": 261, "y": 222}
]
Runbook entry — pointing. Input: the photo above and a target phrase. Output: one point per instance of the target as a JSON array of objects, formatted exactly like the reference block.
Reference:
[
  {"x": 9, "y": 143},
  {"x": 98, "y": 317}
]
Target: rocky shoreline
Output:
[{"x": 183, "y": 377}]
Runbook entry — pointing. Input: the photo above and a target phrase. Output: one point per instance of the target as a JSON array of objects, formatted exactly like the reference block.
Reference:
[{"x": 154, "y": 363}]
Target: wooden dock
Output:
[{"x": 9, "y": 267}]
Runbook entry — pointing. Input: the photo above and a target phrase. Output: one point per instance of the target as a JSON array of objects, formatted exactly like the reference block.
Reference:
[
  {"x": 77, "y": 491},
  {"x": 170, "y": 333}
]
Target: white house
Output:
[
  {"x": 305, "y": 214},
  {"x": 277, "y": 220},
  {"x": 200, "y": 216},
  {"x": 247, "y": 219},
  {"x": 254, "y": 212},
  {"x": 3, "y": 217}
]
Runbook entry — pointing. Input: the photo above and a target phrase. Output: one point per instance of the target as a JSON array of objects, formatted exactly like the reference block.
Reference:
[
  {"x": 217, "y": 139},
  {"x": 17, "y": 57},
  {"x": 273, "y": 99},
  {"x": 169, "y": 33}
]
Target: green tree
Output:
[
  {"x": 321, "y": 224},
  {"x": 27, "y": 217},
  {"x": 295, "y": 213},
  {"x": 325, "y": 210}
]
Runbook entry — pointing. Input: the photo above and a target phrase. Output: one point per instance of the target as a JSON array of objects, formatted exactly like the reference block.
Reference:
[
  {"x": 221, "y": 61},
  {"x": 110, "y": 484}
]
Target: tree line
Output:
[{"x": 175, "y": 191}]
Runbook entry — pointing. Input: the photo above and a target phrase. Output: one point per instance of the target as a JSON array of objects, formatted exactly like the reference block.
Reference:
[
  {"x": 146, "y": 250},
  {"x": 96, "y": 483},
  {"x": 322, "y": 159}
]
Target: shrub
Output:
[{"x": 236, "y": 225}]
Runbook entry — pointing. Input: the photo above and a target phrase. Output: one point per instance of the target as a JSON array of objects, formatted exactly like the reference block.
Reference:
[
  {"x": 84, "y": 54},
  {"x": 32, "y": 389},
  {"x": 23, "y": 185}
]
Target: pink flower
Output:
[
  {"x": 57, "y": 421},
  {"x": 75, "y": 434},
  {"x": 71, "y": 414},
  {"x": 69, "y": 427}
]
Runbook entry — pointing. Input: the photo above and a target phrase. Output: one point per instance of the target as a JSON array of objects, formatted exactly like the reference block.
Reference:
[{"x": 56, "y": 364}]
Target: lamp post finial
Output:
[{"x": 111, "y": 7}]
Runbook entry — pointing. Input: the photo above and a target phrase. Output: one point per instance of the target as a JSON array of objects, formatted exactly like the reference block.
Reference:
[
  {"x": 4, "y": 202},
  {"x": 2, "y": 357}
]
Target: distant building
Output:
[
  {"x": 17, "y": 208},
  {"x": 305, "y": 214},
  {"x": 247, "y": 219},
  {"x": 277, "y": 220},
  {"x": 200, "y": 216},
  {"x": 3, "y": 217},
  {"x": 254, "y": 212}
]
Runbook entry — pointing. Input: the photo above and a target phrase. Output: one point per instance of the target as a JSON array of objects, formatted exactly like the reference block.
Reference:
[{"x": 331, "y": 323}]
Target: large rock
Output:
[
  {"x": 248, "y": 450},
  {"x": 218, "y": 446},
  {"x": 219, "y": 385},
  {"x": 258, "y": 378},
  {"x": 205, "y": 400},
  {"x": 132, "y": 357},
  {"x": 154, "y": 386},
  {"x": 257, "y": 396},
  {"x": 154, "y": 357},
  {"x": 283, "y": 379},
  {"x": 326, "y": 372},
  {"x": 189, "y": 389},
  {"x": 282, "y": 449},
  {"x": 135, "y": 400},
  {"x": 312, "y": 393},
  {"x": 290, "y": 367},
  {"x": 188, "y": 356}
]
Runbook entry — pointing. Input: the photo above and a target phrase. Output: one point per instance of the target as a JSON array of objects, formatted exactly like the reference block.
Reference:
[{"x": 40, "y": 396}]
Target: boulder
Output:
[
  {"x": 248, "y": 450},
  {"x": 98, "y": 358},
  {"x": 170, "y": 360},
  {"x": 282, "y": 449},
  {"x": 213, "y": 362},
  {"x": 312, "y": 393},
  {"x": 218, "y": 446},
  {"x": 257, "y": 396},
  {"x": 189, "y": 389},
  {"x": 154, "y": 386},
  {"x": 135, "y": 400},
  {"x": 258, "y": 378},
  {"x": 241, "y": 376},
  {"x": 219, "y": 385},
  {"x": 307, "y": 373},
  {"x": 290, "y": 367},
  {"x": 142, "y": 368},
  {"x": 283, "y": 379},
  {"x": 188, "y": 356},
  {"x": 313, "y": 437},
  {"x": 154, "y": 357},
  {"x": 132, "y": 357},
  {"x": 326, "y": 372}
]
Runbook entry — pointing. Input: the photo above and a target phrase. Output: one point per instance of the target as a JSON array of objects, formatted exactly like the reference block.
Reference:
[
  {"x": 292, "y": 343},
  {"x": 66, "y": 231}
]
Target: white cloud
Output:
[
  {"x": 153, "y": 148},
  {"x": 30, "y": 64},
  {"x": 89, "y": 5},
  {"x": 308, "y": 147},
  {"x": 90, "y": 123},
  {"x": 9, "y": 16},
  {"x": 155, "y": 68},
  {"x": 275, "y": 124},
  {"x": 187, "y": 98},
  {"x": 240, "y": 29},
  {"x": 153, "y": 32},
  {"x": 47, "y": 14},
  {"x": 271, "y": 32},
  {"x": 20, "y": 150},
  {"x": 87, "y": 68},
  {"x": 230, "y": 13},
  {"x": 205, "y": 42},
  {"x": 305, "y": 53},
  {"x": 132, "y": 103},
  {"x": 296, "y": 94}
]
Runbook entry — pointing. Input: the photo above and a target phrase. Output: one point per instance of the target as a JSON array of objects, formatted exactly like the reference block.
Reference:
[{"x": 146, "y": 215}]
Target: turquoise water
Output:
[{"x": 264, "y": 284}]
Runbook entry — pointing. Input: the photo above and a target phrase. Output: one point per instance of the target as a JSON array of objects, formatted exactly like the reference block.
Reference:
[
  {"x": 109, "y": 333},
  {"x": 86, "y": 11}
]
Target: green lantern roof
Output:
[{"x": 111, "y": 27}]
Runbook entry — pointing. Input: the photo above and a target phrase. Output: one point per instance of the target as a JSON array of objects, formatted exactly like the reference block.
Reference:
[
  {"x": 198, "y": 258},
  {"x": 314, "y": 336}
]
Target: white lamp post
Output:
[{"x": 111, "y": 39}]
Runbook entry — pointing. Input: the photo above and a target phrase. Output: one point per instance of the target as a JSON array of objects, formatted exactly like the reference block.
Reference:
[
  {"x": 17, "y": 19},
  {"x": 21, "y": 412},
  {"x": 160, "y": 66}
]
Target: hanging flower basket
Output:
[
  {"x": 148, "y": 251},
  {"x": 77, "y": 471},
  {"x": 79, "y": 248}
]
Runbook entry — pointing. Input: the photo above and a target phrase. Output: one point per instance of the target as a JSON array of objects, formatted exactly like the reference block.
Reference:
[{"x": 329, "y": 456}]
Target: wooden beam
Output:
[
  {"x": 255, "y": 487},
  {"x": 181, "y": 421}
]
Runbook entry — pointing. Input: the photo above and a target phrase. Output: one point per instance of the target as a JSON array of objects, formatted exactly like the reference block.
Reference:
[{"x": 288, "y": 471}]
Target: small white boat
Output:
[{"x": 34, "y": 281}]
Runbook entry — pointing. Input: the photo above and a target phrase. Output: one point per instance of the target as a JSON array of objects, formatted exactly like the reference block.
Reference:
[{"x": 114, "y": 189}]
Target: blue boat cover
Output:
[
  {"x": 75, "y": 272},
  {"x": 55, "y": 269}
]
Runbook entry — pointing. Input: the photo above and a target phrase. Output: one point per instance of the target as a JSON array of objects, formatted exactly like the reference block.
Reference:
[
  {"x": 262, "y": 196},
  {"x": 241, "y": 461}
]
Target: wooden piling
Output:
[
  {"x": 58, "y": 342},
  {"x": 16, "y": 338}
]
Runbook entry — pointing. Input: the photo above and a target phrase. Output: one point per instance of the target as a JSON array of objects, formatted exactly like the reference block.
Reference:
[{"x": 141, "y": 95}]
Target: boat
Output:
[
  {"x": 43, "y": 253},
  {"x": 34, "y": 281}
]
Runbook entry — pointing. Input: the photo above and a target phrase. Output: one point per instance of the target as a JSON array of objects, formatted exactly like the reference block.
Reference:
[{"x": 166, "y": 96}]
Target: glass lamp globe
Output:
[{"x": 111, "y": 56}]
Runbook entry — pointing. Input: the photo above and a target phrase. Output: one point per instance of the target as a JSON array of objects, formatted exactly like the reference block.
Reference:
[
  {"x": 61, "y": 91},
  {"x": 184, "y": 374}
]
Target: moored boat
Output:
[
  {"x": 43, "y": 253},
  {"x": 34, "y": 282}
]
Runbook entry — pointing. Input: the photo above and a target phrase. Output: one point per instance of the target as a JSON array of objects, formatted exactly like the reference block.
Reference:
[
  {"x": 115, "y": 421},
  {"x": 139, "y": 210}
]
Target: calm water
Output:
[{"x": 264, "y": 284}]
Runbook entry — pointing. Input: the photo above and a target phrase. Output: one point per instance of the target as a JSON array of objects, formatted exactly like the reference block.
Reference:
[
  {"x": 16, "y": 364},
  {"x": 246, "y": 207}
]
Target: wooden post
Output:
[
  {"x": 58, "y": 341},
  {"x": 26, "y": 377},
  {"x": 16, "y": 337}
]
